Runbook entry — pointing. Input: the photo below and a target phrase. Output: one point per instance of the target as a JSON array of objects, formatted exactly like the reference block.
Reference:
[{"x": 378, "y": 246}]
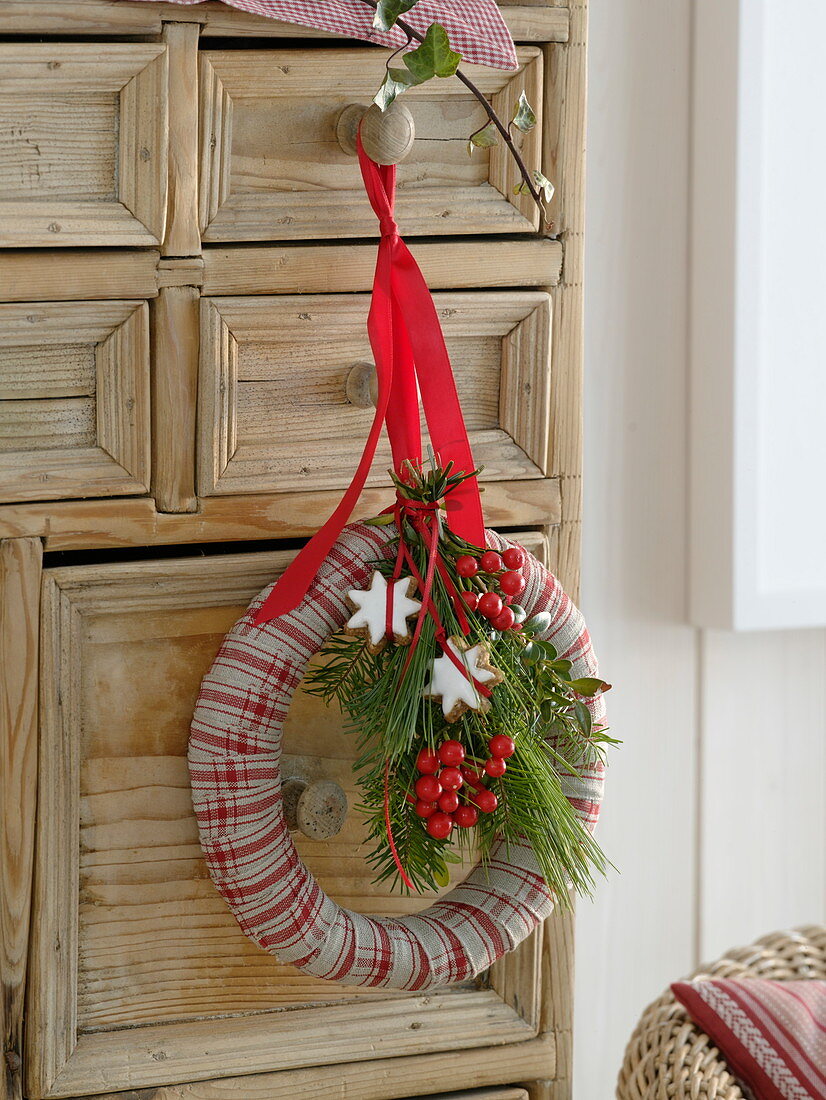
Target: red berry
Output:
[
  {"x": 428, "y": 788},
  {"x": 466, "y": 566},
  {"x": 490, "y": 562},
  {"x": 466, "y": 817},
  {"x": 439, "y": 826},
  {"x": 495, "y": 767},
  {"x": 451, "y": 752},
  {"x": 471, "y": 599},
  {"x": 450, "y": 779},
  {"x": 501, "y": 745},
  {"x": 512, "y": 583},
  {"x": 425, "y": 809},
  {"x": 427, "y": 762},
  {"x": 504, "y": 620},
  {"x": 448, "y": 801},
  {"x": 485, "y": 800},
  {"x": 490, "y": 605},
  {"x": 471, "y": 777},
  {"x": 514, "y": 557}
]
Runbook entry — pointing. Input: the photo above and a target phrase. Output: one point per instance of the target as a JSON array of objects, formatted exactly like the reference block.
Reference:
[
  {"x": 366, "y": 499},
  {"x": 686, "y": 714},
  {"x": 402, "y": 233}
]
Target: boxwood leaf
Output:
[{"x": 589, "y": 685}]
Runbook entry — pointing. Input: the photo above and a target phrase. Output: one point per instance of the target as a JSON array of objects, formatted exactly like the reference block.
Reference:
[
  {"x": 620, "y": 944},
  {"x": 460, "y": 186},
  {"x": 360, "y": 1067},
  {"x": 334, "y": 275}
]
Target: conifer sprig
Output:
[{"x": 539, "y": 705}]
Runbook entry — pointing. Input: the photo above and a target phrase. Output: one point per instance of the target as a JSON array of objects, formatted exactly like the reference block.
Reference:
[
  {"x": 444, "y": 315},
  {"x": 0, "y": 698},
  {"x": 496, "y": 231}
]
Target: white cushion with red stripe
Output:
[
  {"x": 234, "y": 758},
  {"x": 772, "y": 1033}
]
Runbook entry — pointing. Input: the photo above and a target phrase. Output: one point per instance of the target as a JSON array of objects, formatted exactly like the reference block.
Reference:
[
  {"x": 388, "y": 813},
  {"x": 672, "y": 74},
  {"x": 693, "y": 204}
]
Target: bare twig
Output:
[{"x": 504, "y": 130}]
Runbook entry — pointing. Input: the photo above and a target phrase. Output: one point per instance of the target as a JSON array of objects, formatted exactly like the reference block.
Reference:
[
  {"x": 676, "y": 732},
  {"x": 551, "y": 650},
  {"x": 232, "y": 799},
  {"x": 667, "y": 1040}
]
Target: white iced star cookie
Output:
[
  {"x": 370, "y": 611},
  {"x": 456, "y": 691}
]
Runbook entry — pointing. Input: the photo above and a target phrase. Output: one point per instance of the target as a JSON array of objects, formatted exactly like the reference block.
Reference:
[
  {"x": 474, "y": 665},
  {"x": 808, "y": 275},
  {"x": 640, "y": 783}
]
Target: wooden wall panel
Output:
[
  {"x": 640, "y": 932},
  {"x": 762, "y": 785}
]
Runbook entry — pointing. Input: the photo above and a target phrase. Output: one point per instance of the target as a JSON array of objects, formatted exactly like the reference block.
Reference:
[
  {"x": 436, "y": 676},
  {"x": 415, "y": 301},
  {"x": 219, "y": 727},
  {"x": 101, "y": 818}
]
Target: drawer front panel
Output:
[
  {"x": 83, "y": 140},
  {"x": 74, "y": 399},
  {"x": 272, "y": 167},
  {"x": 276, "y": 413},
  {"x": 121, "y": 879}
]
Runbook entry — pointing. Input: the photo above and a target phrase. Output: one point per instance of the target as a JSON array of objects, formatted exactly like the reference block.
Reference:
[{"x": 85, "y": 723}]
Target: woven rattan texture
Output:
[{"x": 669, "y": 1058}]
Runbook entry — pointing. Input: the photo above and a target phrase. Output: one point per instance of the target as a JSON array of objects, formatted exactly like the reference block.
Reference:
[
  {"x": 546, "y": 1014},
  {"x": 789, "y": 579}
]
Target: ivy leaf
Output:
[
  {"x": 589, "y": 685},
  {"x": 434, "y": 57},
  {"x": 483, "y": 139},
  {"x": 395, "y": 82},
  {"x": 542, "y": 183},
  {"x": 524, "y": 118},
  {"x": 388, "y": 11}
]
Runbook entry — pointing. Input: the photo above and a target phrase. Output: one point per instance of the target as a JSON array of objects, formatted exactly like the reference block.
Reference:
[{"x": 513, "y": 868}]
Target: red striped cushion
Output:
[{"x": 772, "y": 1034}]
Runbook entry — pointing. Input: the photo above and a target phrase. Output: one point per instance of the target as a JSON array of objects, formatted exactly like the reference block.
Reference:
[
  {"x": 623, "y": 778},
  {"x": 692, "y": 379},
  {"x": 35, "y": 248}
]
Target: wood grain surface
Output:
[
  {"x": 74, "y": 399},
  {"x": 148, "y": 940},
  {"x": 274, "y": 413},
  {"x": 20, "y": 573},
  {"x": 272, "y": 166},
  {"x": 83, "y": 152}
]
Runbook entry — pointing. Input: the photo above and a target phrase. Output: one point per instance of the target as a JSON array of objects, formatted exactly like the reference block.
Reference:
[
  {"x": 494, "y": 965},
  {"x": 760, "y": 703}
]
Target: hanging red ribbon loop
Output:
[{"x": 408, "y": 348}]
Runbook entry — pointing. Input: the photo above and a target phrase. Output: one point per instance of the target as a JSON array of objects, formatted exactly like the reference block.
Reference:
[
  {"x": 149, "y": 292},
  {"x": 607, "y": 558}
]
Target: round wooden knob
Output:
[
  {"x": 317, "y": 809},
  {"x": 362, "y": 386},
  {"x": 387, "y": 136}
]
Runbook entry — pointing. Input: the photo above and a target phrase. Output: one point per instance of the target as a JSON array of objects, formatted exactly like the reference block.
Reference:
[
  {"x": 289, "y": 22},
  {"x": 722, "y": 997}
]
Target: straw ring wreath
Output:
[{"x": 234, "y": 762}]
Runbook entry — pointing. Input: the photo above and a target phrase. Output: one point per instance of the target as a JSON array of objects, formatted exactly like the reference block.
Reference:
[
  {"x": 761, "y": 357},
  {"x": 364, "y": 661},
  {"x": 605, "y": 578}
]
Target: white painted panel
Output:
[
  {"x": 758, "y": 320},
  {"x": 639, "y": 933},
  {"x": 763, "y": 782}
]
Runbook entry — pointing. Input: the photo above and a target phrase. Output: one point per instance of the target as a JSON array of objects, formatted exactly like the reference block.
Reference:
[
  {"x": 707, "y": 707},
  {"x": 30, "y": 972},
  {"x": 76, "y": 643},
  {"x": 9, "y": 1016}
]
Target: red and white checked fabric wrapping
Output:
[
  {"x": 771, "y": 1033},
  {"x": 475, "y": 28},
  {"x": 234, "y": 757}
]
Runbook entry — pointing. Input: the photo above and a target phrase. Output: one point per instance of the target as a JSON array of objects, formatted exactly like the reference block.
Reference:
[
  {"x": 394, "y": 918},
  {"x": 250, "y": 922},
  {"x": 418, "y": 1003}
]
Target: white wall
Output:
[{"x": 714, "y": 808}]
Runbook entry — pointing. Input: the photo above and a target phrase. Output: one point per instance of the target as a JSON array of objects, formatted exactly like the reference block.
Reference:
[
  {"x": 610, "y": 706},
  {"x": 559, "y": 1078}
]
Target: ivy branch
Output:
[{"x": 434, "y": 57}]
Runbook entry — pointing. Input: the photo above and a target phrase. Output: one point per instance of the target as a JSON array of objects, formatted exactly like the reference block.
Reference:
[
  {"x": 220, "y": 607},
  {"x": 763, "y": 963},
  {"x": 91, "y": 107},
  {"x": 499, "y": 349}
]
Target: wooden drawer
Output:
[
  {"x": 272, "y": 167},
  {"x": 74, "y": 399},
  {"x": 83, "y": 131},
  {"x": 274, "y": 413},
  {"x": 128, "y": 929}
]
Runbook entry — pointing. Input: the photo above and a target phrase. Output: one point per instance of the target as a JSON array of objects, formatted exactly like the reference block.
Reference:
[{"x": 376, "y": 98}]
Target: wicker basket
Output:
[{"x": 669, "y": 1058}]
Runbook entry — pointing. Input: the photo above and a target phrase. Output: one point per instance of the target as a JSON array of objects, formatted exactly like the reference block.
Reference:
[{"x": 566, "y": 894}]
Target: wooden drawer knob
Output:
[
  {"x": 317, "y": 809},
  {"x": 387, "y": 136},
  {"x": 362, "y": 386}
]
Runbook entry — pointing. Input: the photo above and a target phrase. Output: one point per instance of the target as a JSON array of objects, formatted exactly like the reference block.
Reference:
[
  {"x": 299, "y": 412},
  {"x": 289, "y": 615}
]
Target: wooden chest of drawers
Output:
[{"x": 185, "y": 261}]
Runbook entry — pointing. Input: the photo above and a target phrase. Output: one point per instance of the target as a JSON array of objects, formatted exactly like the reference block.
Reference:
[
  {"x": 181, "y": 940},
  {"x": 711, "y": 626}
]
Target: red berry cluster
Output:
[
  {"x": 505, "y": 568},
  {"x": 443, "y": 774}
]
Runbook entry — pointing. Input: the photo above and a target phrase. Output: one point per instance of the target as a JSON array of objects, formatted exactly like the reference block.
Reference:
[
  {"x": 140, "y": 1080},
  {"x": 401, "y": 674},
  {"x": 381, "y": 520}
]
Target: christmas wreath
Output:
[
  {"x": 462, "y": 668},
  {"x": 511, "y": 769}
]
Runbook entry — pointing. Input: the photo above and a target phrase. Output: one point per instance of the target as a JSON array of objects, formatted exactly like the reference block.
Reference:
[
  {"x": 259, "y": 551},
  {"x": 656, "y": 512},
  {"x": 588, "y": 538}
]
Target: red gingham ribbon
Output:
[{"x": 475, "y": 28}]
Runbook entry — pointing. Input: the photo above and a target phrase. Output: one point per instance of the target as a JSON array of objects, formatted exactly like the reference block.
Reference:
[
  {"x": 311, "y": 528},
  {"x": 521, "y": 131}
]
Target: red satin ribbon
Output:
[{"x": 408, "y": 345}]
